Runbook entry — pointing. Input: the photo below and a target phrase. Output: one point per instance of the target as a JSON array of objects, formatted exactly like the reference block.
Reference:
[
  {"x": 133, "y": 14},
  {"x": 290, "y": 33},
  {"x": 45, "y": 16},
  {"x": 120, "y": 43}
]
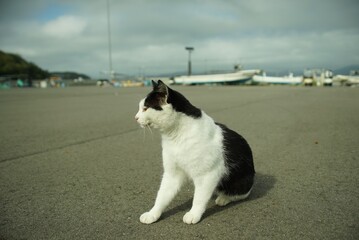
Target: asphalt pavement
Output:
[{"x": 75, "y": 165}]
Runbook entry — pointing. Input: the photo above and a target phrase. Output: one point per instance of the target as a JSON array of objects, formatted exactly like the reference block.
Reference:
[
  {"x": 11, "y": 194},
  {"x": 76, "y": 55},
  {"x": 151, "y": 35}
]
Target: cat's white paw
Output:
[
  {"x": 149, "y": 217},
  {"x": 191, "y": 218},
  {"x": 222, "y": 200}
]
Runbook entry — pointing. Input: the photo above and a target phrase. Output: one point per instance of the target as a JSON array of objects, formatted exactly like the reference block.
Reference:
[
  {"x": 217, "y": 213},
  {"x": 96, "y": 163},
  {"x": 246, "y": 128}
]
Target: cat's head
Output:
[{"x": 163, "y": 106}]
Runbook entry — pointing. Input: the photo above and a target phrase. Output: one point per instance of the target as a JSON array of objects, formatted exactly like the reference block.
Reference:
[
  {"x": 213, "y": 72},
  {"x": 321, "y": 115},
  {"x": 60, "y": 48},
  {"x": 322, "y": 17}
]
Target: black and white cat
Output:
[{"x": 215, "y": 158}]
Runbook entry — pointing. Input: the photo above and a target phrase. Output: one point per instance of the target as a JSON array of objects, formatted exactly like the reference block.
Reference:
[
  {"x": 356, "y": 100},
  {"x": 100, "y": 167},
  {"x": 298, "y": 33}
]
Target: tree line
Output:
[{"x": 14, "y": 66}]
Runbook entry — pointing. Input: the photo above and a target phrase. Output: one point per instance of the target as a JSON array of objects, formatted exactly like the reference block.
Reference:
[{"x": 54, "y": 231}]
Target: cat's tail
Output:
[{"x": 223, "y": 199}]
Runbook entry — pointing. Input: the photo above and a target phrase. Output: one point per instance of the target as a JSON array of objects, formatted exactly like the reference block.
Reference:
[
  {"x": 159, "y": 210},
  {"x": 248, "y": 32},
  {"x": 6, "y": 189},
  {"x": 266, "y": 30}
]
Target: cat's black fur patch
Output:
[
  {"x": 239, "y": 162},
  {"x": 153, "y": 100},
  {"x": 161, "y": 93},
  {"x": 181, "y": 104}
]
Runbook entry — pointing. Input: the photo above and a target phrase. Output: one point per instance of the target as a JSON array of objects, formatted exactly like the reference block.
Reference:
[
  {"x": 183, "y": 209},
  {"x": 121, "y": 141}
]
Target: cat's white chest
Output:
[
  {"x": 196, "y": 152},
  {"x": 180, "y": 155}
]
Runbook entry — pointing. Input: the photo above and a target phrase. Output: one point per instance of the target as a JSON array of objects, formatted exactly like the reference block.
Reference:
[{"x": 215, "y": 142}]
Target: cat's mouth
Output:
[{"x": 146, "y": 125}]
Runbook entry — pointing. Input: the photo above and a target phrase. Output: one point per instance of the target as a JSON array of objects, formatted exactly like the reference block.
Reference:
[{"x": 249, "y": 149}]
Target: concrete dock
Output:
[{"x": 74, "y": 164}]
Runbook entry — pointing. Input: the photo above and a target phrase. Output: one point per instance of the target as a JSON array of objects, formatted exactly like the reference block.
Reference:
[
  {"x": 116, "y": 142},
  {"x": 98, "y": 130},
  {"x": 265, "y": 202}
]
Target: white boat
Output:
[
  {"x": 290, "y": 79},
  {"x": 349, "y": 80},
  {"x": 240, "y": 76}
]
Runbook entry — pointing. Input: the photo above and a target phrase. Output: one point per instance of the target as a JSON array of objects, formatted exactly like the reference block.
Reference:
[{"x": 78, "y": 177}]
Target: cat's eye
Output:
[{"x": 144, "y": 109}]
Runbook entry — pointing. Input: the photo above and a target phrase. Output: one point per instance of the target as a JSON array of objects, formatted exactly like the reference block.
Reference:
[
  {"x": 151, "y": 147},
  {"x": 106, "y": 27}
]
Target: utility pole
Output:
[
  {"x": 110, "y": 72},
  {"x": 189, "y": 49}
]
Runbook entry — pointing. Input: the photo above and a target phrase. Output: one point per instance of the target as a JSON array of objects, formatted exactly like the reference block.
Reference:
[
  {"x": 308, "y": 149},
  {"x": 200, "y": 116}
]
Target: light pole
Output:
[
  {"x": 189, "y": 49},
  {"x": 110, "y": 71}
]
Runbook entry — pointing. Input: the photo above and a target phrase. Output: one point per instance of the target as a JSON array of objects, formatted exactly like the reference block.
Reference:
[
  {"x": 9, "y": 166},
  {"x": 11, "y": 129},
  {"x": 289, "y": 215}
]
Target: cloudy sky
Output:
[{"x": 149, "y": 36}]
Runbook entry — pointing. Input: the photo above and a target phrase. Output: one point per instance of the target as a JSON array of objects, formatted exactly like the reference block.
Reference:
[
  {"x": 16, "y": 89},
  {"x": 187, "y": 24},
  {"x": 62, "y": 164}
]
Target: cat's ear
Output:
[
  {"x": 162, "y": 88},
  {"x": 154, "y": 84},
  {"x": 162, "y": 91}
]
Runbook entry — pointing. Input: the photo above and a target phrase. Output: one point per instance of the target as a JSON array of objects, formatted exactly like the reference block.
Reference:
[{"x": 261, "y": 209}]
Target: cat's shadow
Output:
[{"x": 263, "y": 184}]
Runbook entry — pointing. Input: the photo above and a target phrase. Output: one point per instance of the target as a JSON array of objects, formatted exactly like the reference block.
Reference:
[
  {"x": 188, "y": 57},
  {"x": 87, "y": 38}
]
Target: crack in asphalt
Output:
[{"x": 67, "y": 145}]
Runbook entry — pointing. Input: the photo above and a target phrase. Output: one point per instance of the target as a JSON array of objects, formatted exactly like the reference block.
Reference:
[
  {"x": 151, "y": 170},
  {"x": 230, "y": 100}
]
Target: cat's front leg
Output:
[
  {"x": 204, "y": 188},
  {"x": 150, "y": 217},
  {"x": 170, "y": 185}
]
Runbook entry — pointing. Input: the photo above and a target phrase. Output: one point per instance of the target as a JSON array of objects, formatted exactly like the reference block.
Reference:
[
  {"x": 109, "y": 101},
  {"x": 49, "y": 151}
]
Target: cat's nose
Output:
[{"x": 136, "y": 118}]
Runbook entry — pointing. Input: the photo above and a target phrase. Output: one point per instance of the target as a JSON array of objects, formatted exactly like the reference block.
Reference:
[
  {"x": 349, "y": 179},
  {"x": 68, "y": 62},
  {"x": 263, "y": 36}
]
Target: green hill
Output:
[{"x": 14, "y": 65}]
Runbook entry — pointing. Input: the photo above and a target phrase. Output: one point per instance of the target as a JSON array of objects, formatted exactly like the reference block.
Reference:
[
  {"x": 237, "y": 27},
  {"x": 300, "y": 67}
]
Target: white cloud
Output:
[
  {"x": 65, "y": 27},
  {"x": 282, "y": 35}
]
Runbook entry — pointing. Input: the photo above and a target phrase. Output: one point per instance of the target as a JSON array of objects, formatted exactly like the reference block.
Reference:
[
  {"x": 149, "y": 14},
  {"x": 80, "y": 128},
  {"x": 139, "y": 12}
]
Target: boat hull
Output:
[
  {"x": 227, "y": 78},
  {"x": 278, "y": 80}
]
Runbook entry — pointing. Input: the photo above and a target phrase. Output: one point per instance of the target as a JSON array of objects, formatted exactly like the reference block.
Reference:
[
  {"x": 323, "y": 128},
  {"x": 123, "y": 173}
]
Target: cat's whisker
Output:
[
  {"x": 149, "y": 128},
  {"x": 145, "y": 128}
]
